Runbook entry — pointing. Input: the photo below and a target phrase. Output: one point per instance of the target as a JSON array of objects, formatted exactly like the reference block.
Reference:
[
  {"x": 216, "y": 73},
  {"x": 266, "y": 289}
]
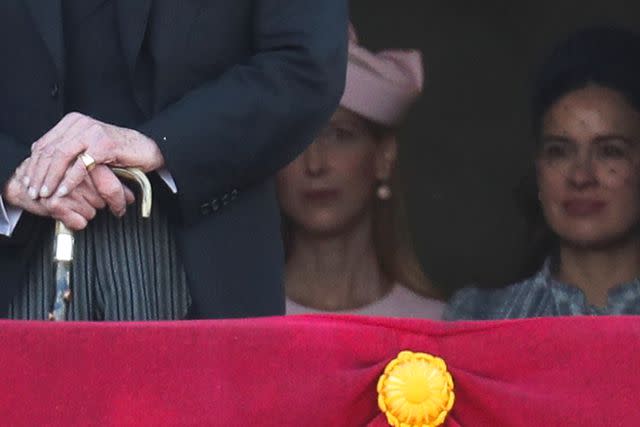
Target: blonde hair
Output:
[
  {"x": 393, "y": 244},
  {"x": 391, "y": 238}
]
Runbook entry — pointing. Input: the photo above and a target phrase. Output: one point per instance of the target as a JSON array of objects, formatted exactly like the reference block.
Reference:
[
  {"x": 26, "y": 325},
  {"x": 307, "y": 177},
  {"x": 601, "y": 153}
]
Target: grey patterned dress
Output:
[{"x": 539, "y": 296}]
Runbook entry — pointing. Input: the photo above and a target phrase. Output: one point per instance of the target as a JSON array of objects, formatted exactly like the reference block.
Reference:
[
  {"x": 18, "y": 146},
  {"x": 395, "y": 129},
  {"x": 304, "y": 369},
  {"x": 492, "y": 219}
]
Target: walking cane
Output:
[{"x": 63, "y": 245}]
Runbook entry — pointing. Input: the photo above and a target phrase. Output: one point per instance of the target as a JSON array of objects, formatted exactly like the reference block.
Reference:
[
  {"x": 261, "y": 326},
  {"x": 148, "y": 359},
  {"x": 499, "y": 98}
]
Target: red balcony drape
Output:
[{"x": 315, "y": 371}]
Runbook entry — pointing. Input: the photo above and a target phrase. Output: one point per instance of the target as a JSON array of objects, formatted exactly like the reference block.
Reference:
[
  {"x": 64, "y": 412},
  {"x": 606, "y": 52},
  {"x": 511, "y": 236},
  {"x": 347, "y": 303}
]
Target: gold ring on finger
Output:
[{"x": 88, "y": 161}]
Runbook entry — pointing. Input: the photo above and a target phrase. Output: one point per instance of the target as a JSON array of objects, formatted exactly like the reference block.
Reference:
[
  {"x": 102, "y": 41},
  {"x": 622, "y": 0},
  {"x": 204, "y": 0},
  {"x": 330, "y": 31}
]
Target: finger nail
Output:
[
  {"x": 33, "y": 193},
  {"x": 44, "y": 191},
  {"x": 62, "y": 191},
  {"x": 25, "y": 181}
]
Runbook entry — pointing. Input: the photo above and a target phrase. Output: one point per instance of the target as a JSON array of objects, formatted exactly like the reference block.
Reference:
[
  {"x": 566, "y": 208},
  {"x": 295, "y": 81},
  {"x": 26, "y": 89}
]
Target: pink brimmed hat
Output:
[{"x": 381, "y": 86}]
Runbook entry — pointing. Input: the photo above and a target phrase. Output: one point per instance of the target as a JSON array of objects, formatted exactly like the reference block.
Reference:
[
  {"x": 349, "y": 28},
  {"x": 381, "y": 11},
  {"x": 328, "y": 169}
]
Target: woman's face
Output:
[
  {"x": 331, "y": 186},
  {"x": 588, "y": 167}
]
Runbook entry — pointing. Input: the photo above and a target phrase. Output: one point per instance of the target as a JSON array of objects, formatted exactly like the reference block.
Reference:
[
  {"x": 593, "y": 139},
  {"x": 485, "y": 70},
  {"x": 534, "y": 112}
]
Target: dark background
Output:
[{"x": 468, "y": 140}]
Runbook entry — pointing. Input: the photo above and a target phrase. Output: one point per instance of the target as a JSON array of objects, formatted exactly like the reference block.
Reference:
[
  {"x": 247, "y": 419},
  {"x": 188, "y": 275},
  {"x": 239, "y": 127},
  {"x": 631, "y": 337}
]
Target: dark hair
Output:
[
  {"x": 540, "y": 239},
  {"x": 604, "y": 56}
]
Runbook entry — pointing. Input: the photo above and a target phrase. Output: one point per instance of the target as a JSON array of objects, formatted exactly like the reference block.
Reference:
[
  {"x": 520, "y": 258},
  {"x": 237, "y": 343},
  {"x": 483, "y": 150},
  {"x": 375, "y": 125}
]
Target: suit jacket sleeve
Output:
[{"x": 241, "y": 128}]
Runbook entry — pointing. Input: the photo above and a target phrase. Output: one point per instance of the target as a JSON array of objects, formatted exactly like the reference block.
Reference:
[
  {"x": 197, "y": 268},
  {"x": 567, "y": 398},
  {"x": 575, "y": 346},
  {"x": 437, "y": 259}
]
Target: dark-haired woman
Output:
[{"x": 586, "y": 113}]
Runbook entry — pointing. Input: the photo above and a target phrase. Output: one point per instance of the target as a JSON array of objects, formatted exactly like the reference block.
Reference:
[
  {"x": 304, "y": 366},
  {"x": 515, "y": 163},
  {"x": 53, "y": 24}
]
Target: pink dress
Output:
[{"x": 400, "y": 302}]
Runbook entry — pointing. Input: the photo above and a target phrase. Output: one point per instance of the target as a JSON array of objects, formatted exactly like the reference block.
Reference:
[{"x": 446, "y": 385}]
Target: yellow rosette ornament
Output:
[{"x": 415, "y": 390}]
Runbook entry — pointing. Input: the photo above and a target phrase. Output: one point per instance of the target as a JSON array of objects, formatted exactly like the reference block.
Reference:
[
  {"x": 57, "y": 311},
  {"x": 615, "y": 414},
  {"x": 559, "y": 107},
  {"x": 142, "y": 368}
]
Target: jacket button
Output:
[{"x": 55, "y": 90}]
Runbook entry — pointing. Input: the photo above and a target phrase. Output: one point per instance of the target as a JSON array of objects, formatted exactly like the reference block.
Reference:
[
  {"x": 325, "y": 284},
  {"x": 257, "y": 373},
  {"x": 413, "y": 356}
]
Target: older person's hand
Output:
[
  {"x": 55, "y": 168},
  {"x": 75, "y": 209}
]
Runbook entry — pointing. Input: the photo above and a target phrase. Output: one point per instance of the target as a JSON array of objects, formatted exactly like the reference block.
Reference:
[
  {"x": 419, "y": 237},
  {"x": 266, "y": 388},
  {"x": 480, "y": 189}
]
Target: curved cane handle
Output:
[{"x": 135, "y": 174}]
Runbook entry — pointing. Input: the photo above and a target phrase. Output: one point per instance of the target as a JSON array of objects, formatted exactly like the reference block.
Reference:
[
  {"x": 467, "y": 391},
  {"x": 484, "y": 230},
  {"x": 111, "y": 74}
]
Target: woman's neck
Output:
[
  {"x": 335, "y": 273},
  {"x": 596, "y": 271}
]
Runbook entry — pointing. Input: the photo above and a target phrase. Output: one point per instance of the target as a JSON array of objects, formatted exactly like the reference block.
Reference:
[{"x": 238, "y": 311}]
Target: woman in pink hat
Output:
[{"x": 346, "y": 244}]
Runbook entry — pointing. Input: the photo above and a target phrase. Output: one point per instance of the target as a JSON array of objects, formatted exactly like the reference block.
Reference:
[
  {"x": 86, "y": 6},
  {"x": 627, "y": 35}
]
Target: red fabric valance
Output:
[{"x": 315, "y": 371}]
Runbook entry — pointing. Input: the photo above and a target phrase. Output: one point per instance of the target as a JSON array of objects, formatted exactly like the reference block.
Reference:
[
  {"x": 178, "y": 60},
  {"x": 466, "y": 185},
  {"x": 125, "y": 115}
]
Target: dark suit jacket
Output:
[{"x": 240, "y": 88}]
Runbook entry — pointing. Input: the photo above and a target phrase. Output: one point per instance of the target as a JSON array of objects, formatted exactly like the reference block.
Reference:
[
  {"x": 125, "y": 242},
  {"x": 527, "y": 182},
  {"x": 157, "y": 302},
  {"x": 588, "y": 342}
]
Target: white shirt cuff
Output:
[
  {"x": 9, "y": 216},
  {"x": 168, "y": 179}
]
